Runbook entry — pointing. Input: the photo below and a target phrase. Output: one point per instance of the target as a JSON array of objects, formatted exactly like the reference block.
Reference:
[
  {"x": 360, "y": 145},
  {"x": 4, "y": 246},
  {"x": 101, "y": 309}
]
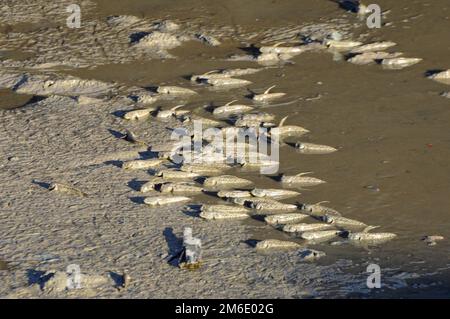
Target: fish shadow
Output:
[
  {"x": 251, "y": 242},
  {"x": 117, "y": 278},
  {"x": 138, "y": 199},
  {"x": 433, "y": 72},
  {"x": 41, "y": 184},
  {"x": 119, "y": 113},
  {"x": 38, "y": 277},
  {"x": 137, "y": 36},
  {"x": 116, "y": 134},
  {"x": 192, "y": 210},
  {"x": 135, "y": 184},
  {"x": 114, "y": 163},
  {"x": 175, "y": 245},
  {"x": 252, "y": 50}
]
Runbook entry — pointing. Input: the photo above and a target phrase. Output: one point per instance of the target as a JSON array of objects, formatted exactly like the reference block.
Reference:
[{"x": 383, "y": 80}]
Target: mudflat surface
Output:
[{"x": 390, "y": 127}]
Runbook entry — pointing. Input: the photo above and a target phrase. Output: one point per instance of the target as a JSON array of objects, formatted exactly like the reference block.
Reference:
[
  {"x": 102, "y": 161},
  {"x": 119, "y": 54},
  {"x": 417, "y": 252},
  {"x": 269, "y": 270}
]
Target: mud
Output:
[{"x": 390, "y": 128}]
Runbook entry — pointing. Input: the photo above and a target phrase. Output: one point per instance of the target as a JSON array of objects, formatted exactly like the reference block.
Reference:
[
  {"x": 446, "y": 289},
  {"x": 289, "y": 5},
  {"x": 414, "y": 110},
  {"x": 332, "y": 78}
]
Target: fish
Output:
[
  {"x": 209, "y": 40},
  {"x": 317, "y": 210},
  {"x": 226, "y": 181},
  {"x": 66, "y": 189},
  {"x": 399, "y": 63},
  {"x": 164, "y": 114},
  {"x": 320, "y": 235},
  {"x": 233, "y": 194},
  {"x": 175, "y": 90},
  {"x": 165, "y": 200},
  {"x": 371, "y": 47},
  {"x": 266, "y": 96},
  {"x": 184, "y": 188},
  {"x": 223, "y": 215},
  {"x": 228, "y": 109},
  {"x": 301, "y": 180},
  {"x": 289, "y": 130},
  {"x": 223, "y": 208},
  {"x": 301, "y": 227},
  {"x": 133, "y": 138},
  {"x": 205, "y": 170},
  {"x": 274, "y": 193},
  {"x": 142, "y": 164},
  {"x": 176, "y": 174},
  {"x": 310, "y": 148},
  {"x": 276, "y": 48},
  {"x": 277, "y": 244},
  {"x": 342, "y": 221},
  {"x": 227, "y": 82},
  {"x": 441, "y": 77},
  {"x": 371, "y": 57},
  {"x": 370, "y": 237},
  {"x": 342, "y": 44},
  {"x": 139, "y": 114},
  {"x": 282, "y": 219},
  {"x": 267, "y": 204}
]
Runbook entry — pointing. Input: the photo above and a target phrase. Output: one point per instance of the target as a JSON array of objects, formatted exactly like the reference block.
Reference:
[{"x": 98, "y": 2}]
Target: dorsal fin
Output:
[
  {"x": 231, "y": 102},
  {"x": 283, "y": 120},
  {"x": 322, "y": 202},
  {"x": 278, "y": 43},
  {"x": 268, "y": 90},
  {"x": 176, "y": 107},
  {"x": 305, "y": 173},
  {"x": 369, "y": 228}
]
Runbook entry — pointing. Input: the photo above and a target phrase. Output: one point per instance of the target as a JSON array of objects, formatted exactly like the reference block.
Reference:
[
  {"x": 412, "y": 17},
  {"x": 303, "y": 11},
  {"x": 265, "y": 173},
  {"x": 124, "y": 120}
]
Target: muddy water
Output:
[{"x": 391, "y": 127}]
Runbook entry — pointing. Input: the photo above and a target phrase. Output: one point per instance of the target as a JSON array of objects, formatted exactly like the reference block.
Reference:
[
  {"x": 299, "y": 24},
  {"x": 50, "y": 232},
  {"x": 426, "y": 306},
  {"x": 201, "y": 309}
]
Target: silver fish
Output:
[
  {"x": 266, "y": 96},
  {"x": 301, "y": 180},
  {"x": 274, "y": 193},
  {"x": 282, "y": 219},
  {"x": 277, "y": 244},
  {"x": 165, "y": 200},
  {"x": 226, "y": 181},
  {"x": 223, "y": 215},
  {"x": 301, "y": 228},
  {"x": 143, "y": 164},
  {"x": 310, "y": 148}
]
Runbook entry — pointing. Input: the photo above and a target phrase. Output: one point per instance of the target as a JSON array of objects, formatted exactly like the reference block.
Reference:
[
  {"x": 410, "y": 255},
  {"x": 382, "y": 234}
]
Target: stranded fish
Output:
[
  {"x": 142, "y": 164},
  {"x": 175, "y": 90},
  {"x": 224, "y": 208},
  {"x": 226, "y": 181},
  {"x": 288, "y": 130},
  {"x": 301, "y": 228},
  {"x": 233, "y": 194},
  {"x": 376, "y": 46},
  {"x": 399, "y": 63},
  {"x": 274, "y": 193},
  {"x": 301, "y": 180},
  {"x": 310, "y": 148},
  {"x": 165, "y": 200},
  {"x": 282, "y": 219},
  {"x": 183, "y": 188},
  {"x": 66, "y": 189},
  {"x": 320, "y": 235},
  {"x": 277, "y": 244},
  {"x": 266, "y": 96},
  {"x": 342, "y": 221},
  {"x": 223, "y": 215},
  {"x": 228, "y": 109},
  {"x": 164, "y": 114},
  {"x": 317, "y": 210},
  {"x": 138, "y": 114}
]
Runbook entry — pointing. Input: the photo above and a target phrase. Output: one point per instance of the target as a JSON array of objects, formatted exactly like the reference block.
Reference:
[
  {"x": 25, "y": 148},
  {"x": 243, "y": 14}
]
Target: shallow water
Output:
[{"x": 391, "y": 127}]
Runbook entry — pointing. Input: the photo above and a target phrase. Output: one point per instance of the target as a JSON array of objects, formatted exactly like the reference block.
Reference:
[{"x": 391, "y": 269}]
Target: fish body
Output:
[{"x": 165, "y": 200}]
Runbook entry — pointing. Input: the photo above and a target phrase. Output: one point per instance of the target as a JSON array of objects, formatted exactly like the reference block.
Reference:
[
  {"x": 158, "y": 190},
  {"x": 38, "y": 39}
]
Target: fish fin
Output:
[
  {"x": 283, "y": 120},
  {"x": 268, "y": 90},
  {"x": 230, "y": 102},
  {"x": 305, "y": 173},
  {"x": 176, "y": 107}
]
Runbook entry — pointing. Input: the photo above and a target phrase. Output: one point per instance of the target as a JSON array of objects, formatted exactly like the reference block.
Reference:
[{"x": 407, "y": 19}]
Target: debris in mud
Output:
[{"x": 432, "y": 240}]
